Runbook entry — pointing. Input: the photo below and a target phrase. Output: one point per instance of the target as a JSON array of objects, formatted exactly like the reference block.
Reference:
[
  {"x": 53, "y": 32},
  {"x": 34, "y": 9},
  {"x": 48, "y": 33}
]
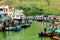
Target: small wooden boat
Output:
[{"x": 42, "y": 34}]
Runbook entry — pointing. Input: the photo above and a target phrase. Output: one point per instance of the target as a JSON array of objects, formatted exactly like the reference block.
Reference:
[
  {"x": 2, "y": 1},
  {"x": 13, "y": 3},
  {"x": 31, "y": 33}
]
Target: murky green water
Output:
[{"x": 30, "y": 33}]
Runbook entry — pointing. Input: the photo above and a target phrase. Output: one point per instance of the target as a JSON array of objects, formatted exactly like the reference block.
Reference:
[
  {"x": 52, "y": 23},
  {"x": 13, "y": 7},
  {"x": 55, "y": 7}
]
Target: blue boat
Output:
[
  {"x": 24, "y": 25},
  {"x": 13, "y": 28}
]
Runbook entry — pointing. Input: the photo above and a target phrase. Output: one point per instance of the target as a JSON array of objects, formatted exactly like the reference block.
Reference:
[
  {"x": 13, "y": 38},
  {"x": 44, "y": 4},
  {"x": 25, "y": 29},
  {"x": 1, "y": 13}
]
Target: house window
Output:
[
  {"x": 13, "y": 15},
  {"x": 1, "y": 9},
  {"x": 0, "y": 16},
  {"x": 17, "y": 15}
]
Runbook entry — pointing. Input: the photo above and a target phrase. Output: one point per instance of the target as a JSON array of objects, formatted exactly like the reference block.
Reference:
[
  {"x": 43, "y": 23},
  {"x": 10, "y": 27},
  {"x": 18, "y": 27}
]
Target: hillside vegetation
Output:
[{"x": 35, "y": 7}]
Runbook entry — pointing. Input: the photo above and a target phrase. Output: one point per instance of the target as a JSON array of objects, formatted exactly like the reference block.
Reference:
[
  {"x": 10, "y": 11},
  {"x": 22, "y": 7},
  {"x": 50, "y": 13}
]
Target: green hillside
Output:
[{"x": 34, "y": 6}]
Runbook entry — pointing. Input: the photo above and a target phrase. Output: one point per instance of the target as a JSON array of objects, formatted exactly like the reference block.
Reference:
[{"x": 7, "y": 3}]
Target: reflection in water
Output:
[
  {"x": 9, "y": 35},
  {"x": 25, "y": 34},
  {"x": 51, "y": 38},
  {"x": 46, "y": 38},
  {"x": 43, "y": 38},
  {"x": 4, "y": 35}
]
